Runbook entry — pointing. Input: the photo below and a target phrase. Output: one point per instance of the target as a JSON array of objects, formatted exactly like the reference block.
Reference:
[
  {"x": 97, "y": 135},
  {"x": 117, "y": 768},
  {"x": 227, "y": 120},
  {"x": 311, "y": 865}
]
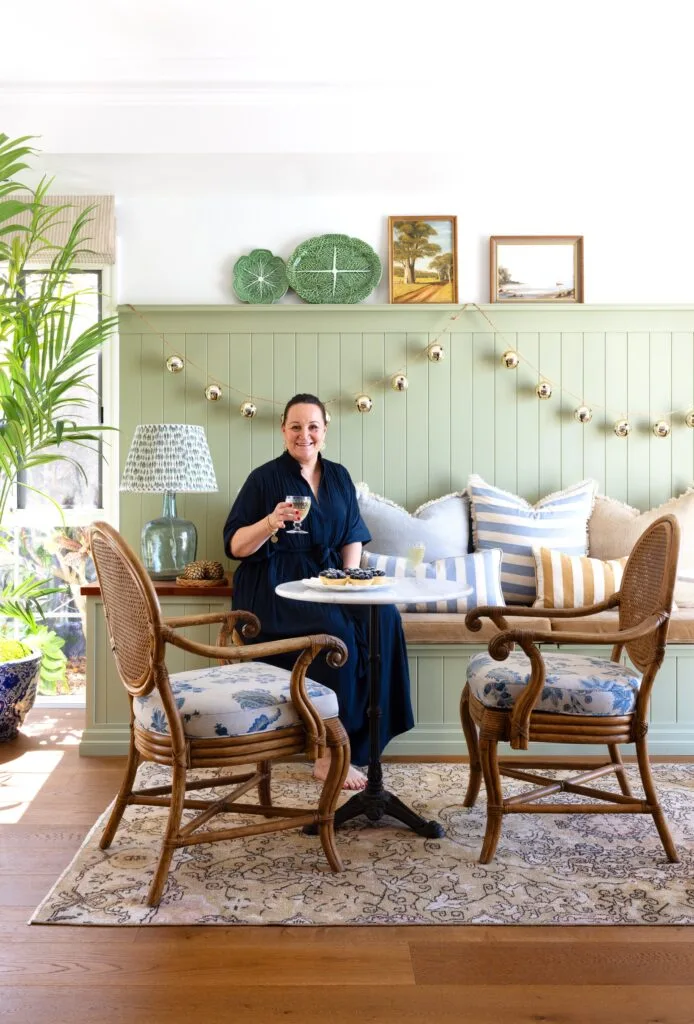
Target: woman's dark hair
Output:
[{"x": 304, "y": 400}]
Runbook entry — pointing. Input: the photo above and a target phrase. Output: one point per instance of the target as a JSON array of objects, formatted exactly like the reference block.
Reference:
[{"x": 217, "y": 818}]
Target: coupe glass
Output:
[
  {"x": 301, "y": 504},
  {"x": 415, "y": 554}
]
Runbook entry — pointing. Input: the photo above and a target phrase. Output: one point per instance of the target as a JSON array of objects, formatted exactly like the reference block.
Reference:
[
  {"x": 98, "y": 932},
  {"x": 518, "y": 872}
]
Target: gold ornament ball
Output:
[
  {"x": 622, "y": 428},
  {"x": 248, "y": 410},
  {"x": 174, "y": 364},
  {"x": 436, "y": 353},
  {"x": 399, "y": 382},
  {"x": 510, "y": 359},
  {"x": 213, "y": 392},
  {"x": 661, "y": 428},
  {"x": 364, "y": 403},
  {"x": 544, "y": 389},
  {"x": 689, "y": 418},
  {"x": 583, "y": 414}
]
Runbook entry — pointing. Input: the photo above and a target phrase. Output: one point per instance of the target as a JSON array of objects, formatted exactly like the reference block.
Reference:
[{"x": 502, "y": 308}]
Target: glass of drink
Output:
[
  {"x": 301, "y": 504},
  {"x": 415, "y": 554}
]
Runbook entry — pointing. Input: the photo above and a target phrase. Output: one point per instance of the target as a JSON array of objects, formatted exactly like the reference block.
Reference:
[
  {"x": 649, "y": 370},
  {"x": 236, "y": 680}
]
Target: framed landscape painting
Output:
[
  {"x": 423, "y": 259},
  {"x": 536, "y": 268}
]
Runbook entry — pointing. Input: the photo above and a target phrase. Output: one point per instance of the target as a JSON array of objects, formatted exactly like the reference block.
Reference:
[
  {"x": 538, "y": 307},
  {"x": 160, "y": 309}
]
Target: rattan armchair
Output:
[
  {"x": 543, "y": 697},
  {"x": 239, "y": 712}
]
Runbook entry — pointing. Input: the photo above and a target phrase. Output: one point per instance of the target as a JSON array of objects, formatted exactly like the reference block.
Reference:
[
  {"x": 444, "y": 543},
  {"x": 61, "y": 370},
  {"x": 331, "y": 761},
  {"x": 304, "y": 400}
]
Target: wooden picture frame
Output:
[
  {"x": 423, "y": 259},
  {"x": 536, "y": 268}
]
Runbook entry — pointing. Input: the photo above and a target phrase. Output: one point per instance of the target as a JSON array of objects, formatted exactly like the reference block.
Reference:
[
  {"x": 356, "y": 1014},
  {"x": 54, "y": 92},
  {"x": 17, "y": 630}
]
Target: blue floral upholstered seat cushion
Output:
[
  {"x": 574, "y": 684},
  {"x": 232, "y": 700}
]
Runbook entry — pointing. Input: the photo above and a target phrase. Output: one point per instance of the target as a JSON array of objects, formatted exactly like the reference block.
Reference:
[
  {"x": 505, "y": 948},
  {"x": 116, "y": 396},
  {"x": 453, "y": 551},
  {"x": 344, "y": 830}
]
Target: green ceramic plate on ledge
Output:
[
  {"x": 260, "y": 277},
  {"x": 333, "y": 268}
]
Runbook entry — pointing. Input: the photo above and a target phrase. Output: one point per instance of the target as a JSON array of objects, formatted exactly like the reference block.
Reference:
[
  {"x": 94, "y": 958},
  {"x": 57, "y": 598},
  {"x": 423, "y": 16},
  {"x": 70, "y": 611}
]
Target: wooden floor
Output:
[{"x": 49, "y": 797}]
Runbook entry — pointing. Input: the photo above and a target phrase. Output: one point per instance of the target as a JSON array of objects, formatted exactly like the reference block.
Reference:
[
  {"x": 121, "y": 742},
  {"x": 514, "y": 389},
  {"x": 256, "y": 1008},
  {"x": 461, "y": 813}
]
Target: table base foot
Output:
[{"x": 375, "y": 805}]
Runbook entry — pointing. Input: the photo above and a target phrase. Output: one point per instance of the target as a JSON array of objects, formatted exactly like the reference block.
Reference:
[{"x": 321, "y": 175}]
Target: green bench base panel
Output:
[{"x": 437, "y": 672}]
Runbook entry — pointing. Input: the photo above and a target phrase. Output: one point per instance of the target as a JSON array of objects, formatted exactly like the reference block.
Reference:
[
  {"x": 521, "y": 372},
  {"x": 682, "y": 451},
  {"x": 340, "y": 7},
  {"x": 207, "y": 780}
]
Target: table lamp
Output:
[{"x": 168, "y": 458}]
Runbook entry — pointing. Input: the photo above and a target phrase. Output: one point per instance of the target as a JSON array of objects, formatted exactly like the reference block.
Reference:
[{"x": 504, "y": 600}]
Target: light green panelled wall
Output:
[{"x": 464, "y": 414}]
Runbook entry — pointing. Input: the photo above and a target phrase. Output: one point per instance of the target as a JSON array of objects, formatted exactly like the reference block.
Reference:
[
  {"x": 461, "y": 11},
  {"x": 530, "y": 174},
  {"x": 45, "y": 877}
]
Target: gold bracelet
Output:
[{"x": 273, "y": 529}]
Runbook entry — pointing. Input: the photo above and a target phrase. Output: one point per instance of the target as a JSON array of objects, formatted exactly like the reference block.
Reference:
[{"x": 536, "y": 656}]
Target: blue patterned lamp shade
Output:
[{"x": 168, "y": 458}]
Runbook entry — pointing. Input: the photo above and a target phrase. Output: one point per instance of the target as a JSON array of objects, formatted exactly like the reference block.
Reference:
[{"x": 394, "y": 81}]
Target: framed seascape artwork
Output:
[
  {"x": 536, "y": 268},
  {"x": 423, "y": 259}
]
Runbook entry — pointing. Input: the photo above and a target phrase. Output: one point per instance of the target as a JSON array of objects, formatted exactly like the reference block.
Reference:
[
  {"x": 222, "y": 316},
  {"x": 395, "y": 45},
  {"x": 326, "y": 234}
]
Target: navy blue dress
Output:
[{"x": 332, "y": 522}]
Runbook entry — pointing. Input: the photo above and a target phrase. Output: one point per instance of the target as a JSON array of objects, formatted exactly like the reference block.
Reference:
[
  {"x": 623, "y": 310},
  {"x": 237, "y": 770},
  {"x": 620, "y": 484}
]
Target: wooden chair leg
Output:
[
  {"x": 338, "y": 744},
  {"x": 652, "y": 798},
  {"x": 126, "y": 788},
  {"x": 265, "y": 785},
  {"x": 492, "y": 783},
  {"x": 473, "y": 749},
  {"x": 622, "y": 779},
  {"x": 173, "y": 826}
]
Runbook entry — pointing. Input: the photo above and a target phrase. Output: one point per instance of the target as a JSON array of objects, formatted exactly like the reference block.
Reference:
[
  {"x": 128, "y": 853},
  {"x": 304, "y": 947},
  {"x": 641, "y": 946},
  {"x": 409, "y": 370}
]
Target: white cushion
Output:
[
  {"x": 479, "y": 570},
  {"x": 232, "y": 700},
  {"x": 614, "y": 528},
  {"x": 575, "y": 684},
  {"x": 504, "y": 520},
  {"x": 442, "y": 525}
]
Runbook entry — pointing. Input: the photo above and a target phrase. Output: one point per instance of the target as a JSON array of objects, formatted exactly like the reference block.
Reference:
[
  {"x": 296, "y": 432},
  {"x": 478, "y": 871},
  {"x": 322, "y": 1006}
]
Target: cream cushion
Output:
[{"x": 614, "y": 528}]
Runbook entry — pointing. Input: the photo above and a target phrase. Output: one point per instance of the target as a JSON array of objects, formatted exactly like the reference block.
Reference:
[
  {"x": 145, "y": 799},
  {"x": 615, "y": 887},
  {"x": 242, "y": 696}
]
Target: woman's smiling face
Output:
[{"x": 304, "y": 432}]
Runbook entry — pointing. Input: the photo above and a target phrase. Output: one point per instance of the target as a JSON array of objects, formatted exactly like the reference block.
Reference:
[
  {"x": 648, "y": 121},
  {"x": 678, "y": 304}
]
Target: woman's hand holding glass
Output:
[
  {"x": 300, "y": 505},
  {"x": 283, "y": 513}
]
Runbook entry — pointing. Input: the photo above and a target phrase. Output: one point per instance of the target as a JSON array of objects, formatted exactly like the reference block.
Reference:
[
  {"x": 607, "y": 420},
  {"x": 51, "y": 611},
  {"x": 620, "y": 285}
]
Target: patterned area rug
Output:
[{"x": 577, "y": 869}]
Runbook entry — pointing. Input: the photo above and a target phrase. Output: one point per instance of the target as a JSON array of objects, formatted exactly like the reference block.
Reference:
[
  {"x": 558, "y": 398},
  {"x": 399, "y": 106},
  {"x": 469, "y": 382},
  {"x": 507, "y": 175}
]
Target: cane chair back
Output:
[
  {"x": 207, "y": 724},
  {"x": 131, "y": 609},
  {"x": 647, "y": 588}
]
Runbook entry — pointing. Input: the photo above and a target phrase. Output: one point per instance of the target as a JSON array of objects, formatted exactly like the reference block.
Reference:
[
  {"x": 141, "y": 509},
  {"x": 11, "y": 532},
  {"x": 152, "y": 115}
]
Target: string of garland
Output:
[{"x": 435, "y": 352}]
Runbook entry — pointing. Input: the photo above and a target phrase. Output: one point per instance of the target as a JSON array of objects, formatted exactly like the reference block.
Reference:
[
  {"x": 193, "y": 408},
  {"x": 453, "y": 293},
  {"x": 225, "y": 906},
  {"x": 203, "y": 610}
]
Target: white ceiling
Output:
[{"x": 484, "y": 78}]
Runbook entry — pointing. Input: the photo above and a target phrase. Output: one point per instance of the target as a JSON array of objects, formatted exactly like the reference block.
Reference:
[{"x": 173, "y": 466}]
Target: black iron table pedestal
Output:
[{"x": 374, "y": 801}]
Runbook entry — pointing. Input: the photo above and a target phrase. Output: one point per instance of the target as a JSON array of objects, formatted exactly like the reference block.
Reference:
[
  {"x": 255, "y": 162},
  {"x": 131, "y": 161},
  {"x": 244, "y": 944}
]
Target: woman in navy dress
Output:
[{"x": 255, "y": 534}]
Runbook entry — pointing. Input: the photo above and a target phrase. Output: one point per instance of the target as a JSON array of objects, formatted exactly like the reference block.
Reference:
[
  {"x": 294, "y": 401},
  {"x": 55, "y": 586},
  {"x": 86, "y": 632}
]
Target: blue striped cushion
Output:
[
  {"x": 479, "y": 570},
  {"x": 503, "y": 520}
]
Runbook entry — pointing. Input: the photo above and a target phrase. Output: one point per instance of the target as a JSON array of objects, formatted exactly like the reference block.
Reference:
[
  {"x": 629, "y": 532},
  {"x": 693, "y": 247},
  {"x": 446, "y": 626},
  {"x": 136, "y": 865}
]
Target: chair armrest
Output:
[
  {"x": 498, "y": 613},
  {"x": 307, "y": 648},
  {"x": 250, "y": 625},
  {"x": 501, "y": 645}
]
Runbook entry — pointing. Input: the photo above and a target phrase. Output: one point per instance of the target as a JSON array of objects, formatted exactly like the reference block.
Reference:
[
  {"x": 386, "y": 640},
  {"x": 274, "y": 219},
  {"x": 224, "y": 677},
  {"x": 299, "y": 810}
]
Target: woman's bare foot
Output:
[{"x": 355, "y": 779}]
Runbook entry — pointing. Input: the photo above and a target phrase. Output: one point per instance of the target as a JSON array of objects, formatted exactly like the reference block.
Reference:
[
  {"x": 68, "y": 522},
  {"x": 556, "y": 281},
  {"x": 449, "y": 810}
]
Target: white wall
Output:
[{"x": 225, "y": 126}]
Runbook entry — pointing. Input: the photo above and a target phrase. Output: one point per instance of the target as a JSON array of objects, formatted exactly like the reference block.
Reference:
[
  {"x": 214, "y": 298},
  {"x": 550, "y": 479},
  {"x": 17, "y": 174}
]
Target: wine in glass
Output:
[
  {"x": 415, "y": 554},
  {"x": 301, "y": 504}
]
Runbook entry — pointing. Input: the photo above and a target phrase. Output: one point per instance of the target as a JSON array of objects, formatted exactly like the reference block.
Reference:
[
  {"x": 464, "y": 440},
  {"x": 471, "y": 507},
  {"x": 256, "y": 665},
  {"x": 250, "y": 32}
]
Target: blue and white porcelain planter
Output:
[{"x": 19, "y": 680}]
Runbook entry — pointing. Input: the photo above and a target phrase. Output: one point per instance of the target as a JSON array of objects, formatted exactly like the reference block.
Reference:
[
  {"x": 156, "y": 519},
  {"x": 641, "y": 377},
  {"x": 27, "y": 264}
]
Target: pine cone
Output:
[
  {"x": 194, "y": 571},
  {"x": 213, "y": 570}
]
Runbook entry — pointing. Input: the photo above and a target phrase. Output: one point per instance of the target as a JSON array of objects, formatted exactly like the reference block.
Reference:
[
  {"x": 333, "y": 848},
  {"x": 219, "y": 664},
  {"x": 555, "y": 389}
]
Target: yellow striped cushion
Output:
[{"x": 574, "y": 581}]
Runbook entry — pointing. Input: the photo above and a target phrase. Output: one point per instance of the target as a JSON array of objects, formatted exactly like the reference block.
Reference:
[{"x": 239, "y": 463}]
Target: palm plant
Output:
[{"x": 44, "y": 361}]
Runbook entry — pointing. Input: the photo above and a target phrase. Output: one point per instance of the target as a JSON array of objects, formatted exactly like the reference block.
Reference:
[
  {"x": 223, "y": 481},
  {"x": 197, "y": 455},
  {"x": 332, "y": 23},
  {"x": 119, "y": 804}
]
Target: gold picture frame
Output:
[
  {"x": 423, "y": 259},
  {"x": 536, "y": 268}
]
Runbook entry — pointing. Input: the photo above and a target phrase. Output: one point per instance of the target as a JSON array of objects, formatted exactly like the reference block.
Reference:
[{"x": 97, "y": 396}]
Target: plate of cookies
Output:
[{"x": 354, "y": 579}]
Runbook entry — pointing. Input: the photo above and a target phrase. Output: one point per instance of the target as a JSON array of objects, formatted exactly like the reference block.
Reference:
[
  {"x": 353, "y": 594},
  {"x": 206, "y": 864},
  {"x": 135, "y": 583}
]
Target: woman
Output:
[{"x": 255, "y": 534}]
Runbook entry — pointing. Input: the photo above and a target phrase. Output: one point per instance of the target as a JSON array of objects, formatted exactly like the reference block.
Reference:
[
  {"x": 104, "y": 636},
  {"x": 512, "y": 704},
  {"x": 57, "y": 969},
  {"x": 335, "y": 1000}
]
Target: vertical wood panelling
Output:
[
  {"x": 682, "y": 391},
  {"x": 439, "y": 433},
  {"x": 528, "y": 421},
  {"x": 660, "y": 391},
  {"x": 617, "y": 401},
  {"x": 396, "y": 409},
  {"x": 550, "y": 414},
  {"x": 639, "y": 452},
  {"x": 594, "y": 385},
  {"x": 373, "y": 361},
  {"x": 465, "y": 414},
  {"x": 573, "y": 395},
  {"x": 461, "y": 383},
  {"x": 420, "y": 420}
]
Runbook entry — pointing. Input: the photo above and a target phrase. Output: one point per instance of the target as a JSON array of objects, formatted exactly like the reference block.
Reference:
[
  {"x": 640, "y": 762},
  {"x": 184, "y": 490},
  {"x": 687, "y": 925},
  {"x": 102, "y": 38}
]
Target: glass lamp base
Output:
[{"x": 168, "y": 544}]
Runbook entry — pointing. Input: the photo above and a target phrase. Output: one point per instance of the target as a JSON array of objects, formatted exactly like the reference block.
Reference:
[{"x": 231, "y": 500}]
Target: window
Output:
[{"x": 48, "y": 537}]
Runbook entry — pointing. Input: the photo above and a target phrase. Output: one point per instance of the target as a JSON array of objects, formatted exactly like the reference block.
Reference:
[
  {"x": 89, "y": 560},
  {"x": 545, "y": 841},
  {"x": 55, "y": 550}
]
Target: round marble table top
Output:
[{"x": 401, "y": 591}]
